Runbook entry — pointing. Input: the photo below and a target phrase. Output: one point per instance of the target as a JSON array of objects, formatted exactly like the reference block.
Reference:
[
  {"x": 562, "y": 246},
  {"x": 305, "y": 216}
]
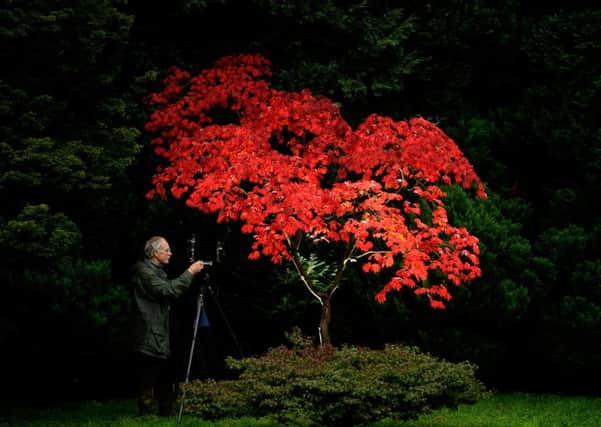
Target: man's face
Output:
[{"x": 162, "y": 255}]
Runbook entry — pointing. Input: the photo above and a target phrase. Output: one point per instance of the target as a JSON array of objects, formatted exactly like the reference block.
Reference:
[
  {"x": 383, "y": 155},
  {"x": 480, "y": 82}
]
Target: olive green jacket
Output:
[{"x": 152, "y": 295}]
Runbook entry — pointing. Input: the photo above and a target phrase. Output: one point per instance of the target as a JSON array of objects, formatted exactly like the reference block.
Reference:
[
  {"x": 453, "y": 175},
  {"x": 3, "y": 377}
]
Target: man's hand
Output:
[{"x": 196, "y": 267}]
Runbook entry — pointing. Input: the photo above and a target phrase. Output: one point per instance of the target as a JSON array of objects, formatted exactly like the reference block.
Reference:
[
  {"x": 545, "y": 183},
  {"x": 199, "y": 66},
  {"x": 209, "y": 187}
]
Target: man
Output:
[{"x": 152, "y": 295}]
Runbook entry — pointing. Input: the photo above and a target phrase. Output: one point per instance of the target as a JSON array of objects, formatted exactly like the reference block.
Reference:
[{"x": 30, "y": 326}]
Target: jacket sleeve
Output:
[{"x": 158, "y": 287}]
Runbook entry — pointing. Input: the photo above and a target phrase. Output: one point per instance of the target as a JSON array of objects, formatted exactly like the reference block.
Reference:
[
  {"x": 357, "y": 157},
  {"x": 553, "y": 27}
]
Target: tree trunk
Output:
[{"x": 324, "y": 322}]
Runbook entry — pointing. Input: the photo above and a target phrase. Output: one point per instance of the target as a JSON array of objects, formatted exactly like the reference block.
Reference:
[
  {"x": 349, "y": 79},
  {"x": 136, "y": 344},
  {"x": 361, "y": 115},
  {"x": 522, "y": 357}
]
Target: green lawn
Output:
[
  {"x": 517, "y": 410},
  {"x": 502, "y": 410}
]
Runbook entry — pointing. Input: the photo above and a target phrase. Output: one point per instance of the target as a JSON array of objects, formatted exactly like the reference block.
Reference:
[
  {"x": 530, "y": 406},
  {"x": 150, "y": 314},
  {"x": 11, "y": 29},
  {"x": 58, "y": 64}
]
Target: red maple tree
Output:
[{"x": 299, "y": 179}]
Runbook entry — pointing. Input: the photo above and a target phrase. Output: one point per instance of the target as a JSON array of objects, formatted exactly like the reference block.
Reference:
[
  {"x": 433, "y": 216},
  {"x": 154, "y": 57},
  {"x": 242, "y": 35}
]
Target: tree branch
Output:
[
  {"x": 299, "y": 265},
  {"x": 349, "y": 250}
]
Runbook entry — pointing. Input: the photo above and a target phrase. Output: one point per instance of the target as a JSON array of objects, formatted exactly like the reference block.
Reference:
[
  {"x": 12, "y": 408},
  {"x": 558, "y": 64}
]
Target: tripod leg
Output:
[
  {"x": 198, "y": 311},
  {"x": 227, "y": 323}
]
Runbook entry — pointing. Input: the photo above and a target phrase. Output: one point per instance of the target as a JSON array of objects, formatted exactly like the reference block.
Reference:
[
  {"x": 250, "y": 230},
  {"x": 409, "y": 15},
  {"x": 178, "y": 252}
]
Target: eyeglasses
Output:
[{"x": 167, "y": 250}]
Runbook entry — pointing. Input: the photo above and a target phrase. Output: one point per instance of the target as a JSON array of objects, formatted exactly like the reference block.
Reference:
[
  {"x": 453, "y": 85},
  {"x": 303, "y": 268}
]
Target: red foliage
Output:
[{"x": 287, "y": 164}]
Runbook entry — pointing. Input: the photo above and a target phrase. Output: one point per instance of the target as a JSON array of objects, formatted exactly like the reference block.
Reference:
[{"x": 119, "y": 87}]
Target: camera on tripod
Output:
[
  {"x": 206, "y": 288},
  {"x": 191, "y": 251}
]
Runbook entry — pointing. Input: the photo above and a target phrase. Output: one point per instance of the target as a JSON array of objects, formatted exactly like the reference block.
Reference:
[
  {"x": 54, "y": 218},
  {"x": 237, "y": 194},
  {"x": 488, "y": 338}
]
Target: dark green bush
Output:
[{"x": 336, "y": 387}]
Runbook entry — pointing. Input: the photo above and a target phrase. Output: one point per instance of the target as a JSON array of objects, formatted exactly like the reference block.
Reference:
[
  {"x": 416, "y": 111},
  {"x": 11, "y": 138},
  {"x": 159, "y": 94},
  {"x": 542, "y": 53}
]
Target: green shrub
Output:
[{"x": 336, "y": 387}]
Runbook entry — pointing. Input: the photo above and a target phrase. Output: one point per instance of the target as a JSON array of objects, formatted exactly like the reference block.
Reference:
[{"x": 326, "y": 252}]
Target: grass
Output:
[
  {"x": 516, "y": 410},
  {"x": 501, "y": 410}
]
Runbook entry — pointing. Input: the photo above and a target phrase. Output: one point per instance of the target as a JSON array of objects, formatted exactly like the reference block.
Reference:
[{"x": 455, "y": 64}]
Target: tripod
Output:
[{"x": 197, "y": 320}]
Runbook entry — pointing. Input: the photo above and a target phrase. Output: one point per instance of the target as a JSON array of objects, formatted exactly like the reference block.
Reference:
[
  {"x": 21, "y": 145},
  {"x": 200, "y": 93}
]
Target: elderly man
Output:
[{"x": 152, "y": 295}]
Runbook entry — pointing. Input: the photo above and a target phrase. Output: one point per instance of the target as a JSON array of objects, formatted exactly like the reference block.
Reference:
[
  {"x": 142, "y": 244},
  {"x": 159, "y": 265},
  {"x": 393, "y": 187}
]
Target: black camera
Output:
[{"x": 191, "y": 251}]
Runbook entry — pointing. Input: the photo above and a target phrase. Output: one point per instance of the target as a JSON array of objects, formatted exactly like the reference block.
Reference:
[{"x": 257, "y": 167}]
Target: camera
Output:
[{"x": 191, "y": 251}]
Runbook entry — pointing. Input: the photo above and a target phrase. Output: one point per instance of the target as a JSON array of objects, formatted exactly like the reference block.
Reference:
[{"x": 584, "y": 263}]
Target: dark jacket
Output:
[{"x": 152, "y": 295}]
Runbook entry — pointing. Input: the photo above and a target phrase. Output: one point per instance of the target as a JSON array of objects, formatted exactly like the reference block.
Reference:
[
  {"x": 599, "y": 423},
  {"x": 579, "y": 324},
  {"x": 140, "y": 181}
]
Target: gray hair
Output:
[{"x": 153, "y": 245}]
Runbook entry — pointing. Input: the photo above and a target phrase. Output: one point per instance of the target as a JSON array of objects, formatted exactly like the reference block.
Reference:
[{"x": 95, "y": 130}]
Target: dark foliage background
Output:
[{"x": 517, "y": 84}]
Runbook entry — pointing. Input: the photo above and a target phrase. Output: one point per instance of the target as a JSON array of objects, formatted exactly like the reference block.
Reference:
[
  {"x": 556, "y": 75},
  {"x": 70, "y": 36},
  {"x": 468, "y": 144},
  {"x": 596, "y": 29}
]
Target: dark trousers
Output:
[{"x": 156, "y": 383}]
